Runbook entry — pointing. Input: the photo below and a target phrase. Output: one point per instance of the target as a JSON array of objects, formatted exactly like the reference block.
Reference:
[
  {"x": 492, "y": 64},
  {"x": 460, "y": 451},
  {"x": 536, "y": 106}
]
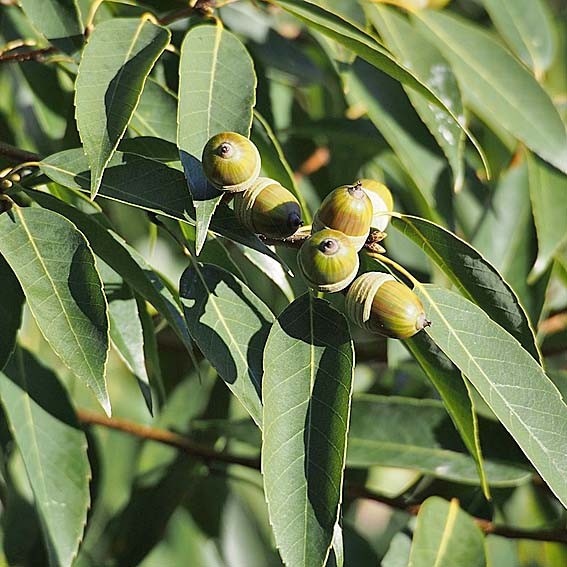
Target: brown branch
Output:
[
  {"x": 166, "y": 437},
  {"x": 203, "y": 7},
  {"x": 21, "y": 56},
  {"x": 354, "y": 491},
  {"x": 16, "y": 154}
]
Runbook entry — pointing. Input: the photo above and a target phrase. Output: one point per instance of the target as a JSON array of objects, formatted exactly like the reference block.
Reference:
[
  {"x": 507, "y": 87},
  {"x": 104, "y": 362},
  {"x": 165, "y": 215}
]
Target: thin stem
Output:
[
  {"x": 21, "y": 56},
  {"x": 16, "y": 154},
  {"x": 355, "y": 491}
]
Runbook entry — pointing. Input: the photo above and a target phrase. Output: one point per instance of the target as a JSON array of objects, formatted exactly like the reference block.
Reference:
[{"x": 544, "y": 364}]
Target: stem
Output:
[
  {"x": 16, "y": 154},
  {"x": 207, "y": 454},
  {"x": 34, "y": 55}
]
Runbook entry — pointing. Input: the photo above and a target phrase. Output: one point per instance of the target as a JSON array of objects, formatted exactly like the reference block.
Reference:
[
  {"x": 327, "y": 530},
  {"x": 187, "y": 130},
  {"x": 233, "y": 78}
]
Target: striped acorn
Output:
[
  {"x": 328, "y": 261},
  {"x": 268, "y": 208},
  {"x": 348, "y": 209},
  {"x": 382, "y": 202},
  {"x": 379, "y": 303},
  {"x": 231, "y": 162}
]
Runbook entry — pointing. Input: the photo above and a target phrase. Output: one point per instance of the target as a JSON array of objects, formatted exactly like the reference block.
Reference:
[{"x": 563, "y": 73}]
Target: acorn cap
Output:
[
  {"x": 231, "y": 162},
  {"x": 268, "y": 208},
  {"x": 348, "y": 209},
  {"x": 328, "y": 261},
  {"x": 382, "y": 202},
  {"x": 379, "y": 303}
]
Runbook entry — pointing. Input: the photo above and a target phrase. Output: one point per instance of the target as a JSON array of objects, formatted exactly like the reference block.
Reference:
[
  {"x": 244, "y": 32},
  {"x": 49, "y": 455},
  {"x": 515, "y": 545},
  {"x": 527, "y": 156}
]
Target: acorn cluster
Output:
[{"x": 328, "y": 259}]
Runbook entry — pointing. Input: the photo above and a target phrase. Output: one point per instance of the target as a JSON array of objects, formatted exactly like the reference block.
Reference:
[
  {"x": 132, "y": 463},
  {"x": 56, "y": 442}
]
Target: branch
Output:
[
  {"x": 203, "y": 7},
  {"x": 21, "y": 56},
  {"x": 207, "y": 454},
  {"x": 16, "y": 154}
]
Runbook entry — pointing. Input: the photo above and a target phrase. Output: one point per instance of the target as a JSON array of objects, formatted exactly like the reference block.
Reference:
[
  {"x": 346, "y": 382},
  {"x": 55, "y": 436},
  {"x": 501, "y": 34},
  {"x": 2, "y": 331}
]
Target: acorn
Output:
[
  {"x": 231, "y": 162},
  {"x": 348, "y": 209},
  {"x": 382, "y": 202},
  {"x": 268, "y": 208},
  {"x": 328, "y": 261},
  {"x": 379, "y": 303}
]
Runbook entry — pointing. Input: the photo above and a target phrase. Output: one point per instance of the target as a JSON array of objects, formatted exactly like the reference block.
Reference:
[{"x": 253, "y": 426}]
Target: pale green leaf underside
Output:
[
  {"x": 54, "y": 451},
  {"x": 445, "y": 536},
  {"x": 473, "y": 275},
  {"x": 217, "y": 86},
  {"x": 497, "y": 86},
  {"x": 308, "y": 370},
  {"x": 417, "y": 435},
  {"x": 230, "y": 326},
  {"x": 56, "y": 269},
  {"x": 114, "y": 66},
  {"x": 511, "y": 382}
]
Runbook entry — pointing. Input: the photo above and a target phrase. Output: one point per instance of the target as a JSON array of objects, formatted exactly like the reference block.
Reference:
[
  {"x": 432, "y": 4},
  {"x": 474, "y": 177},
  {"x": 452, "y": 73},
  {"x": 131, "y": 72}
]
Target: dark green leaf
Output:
[
  {"x": 418, "y": 435},
  {"x": 56, "y": 269},
  {"x": 217, "y": 86},
  {"x": 497, "y": 86},
  {"x": 115, "y": 63},
  {"x": 306, "y": 392},
  {"x": 10, "y": 311},
  {"x": 474, "y": 276},
  {"x": 230, "y": 325},
  {"x": 548, "y": 192},
  {"x": 510, "y": 381},
  {"x": 54, "y": 451},
  {"x": 58, "y": 20},
  {"x": 527, "y": 27},
  {"x": 445, "y": 536}
]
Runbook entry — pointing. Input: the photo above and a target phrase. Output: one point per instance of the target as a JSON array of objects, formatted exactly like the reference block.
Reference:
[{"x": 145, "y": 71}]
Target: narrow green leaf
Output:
[
  {"x": 473, "y": 275},
  {"x": 58, "y": 20},
  {"x": 114, "y": 66},
  {"x": 148, "y": 184},
  {"x": 274, "y": 163},
  {"x": 548, "y": 193},
  {"x": 427, "y": 63},
  {"x": 217, "y": 86},
  {"x": 113, "y": 250},
  {"x": 309, "y": 363},
  {"x": 156, "y": 114},
  {"x": 418, "y": 435},
  {"x": 230, "y": 325},
  {"x": 10, "y": 311},
  {"x": 450, "y": 384},
  {"x": 445, "y": 536},
  {"x": 56, "y": 269},
  {"x": 392, "y": 114},
  {"x": 366, "y": 47},
  {"x": 54, "y": 451},
  {"x": 126, "y": 328},
  {"x": 498, "y": 86},
  {"x": 510, "y": 381},
  {"x": 527, "y": 27}
]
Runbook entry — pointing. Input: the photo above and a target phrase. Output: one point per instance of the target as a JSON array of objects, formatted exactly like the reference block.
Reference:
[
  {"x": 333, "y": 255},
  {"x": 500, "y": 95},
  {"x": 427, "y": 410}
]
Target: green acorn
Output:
[
  {"x": 231, "y": 162},
  {"x": 328, "y": 261},
  {"x": 382, "y": 202},
  {"x": 379, "y": 303},
  {"x": 348, "y": 209},
  {"x": 268, "y": 208}
]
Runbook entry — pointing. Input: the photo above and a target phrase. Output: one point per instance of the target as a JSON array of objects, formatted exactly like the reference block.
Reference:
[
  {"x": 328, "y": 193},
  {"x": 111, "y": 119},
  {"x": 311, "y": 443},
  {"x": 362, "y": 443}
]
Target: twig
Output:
[
  {"x": 16, "y": 154},
  {"x": 167, "y": 438},
  {"x": 204, "y": 7},
  {"x": 20, "y": 56},
  {"x": 354, "y": 491}
]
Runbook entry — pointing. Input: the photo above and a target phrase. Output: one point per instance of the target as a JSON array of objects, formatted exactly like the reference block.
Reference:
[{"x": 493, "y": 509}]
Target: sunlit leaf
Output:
[
  {"x": 306, "y": 393},
  {"x": 56, "y": 269},
  {"x": 217, "y": 86},
  {"x": 114, "y": 66}
]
